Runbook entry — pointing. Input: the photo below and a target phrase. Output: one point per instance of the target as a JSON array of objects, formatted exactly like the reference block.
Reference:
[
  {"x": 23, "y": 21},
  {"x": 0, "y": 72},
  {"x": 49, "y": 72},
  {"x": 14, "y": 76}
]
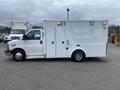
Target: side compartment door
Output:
[
  {"x": 60, "y": 42},
  {"x": 50, "y": 42},
  {"x": 33, "y": 44}
]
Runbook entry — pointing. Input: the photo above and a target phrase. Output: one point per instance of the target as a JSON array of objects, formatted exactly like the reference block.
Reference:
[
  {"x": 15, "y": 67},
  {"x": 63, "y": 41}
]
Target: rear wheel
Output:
[
  {"x": 78, "y": 56},
  {"x": 19, "y": 55}
]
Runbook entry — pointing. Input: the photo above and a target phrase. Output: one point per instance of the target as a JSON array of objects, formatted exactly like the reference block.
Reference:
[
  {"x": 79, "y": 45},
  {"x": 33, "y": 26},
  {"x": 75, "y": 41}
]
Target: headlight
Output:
[{"x": 13, "y": 45}]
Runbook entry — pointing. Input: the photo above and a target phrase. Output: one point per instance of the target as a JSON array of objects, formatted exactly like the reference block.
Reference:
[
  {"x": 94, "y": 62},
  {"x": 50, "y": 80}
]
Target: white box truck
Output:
[
  {"x": 62, "y": 39},
  {"x": 18, "y": 28}
]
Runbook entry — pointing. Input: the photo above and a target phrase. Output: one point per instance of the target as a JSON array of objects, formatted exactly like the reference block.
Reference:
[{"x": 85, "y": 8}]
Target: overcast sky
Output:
[{"x": 36, "y": 11}]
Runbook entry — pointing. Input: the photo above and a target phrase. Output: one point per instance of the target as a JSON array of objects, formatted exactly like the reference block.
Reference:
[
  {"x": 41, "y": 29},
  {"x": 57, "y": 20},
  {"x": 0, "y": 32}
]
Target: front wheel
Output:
[
  {"x": 78, "y": 56},
  {"x": 19, "y": 55}
]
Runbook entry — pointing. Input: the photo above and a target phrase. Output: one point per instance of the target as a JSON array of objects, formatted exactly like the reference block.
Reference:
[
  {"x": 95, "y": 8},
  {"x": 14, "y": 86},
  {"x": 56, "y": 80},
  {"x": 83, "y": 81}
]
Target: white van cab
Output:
[{"x": 62, "y": 39}]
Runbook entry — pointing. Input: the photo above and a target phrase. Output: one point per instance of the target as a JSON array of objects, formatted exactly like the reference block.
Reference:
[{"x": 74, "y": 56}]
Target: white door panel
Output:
[
  {"x": 60, "y": 42},
  {"x": 33, "y": 47},
  {"x": 32, "y": 44},
  {"x": 50, "y": 42}
]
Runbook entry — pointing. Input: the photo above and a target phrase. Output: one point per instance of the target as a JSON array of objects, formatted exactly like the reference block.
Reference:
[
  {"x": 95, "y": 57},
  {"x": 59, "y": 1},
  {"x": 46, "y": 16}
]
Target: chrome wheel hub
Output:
[
  {"x": 78, "y": 57},
  {"x": 18, "y": 56}
]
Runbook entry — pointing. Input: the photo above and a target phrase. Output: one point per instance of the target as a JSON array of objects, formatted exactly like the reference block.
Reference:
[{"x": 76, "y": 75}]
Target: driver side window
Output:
[{"x": 34, "y": 35}]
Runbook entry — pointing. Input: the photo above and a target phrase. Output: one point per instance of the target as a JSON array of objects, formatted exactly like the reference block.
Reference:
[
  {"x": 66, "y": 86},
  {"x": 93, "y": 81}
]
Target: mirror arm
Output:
[{"x": 24, "y": 37}]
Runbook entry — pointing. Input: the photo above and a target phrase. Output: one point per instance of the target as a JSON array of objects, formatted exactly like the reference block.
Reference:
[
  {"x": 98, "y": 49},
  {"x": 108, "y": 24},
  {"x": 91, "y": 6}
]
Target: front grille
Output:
[{"x": 13, "y": 38}]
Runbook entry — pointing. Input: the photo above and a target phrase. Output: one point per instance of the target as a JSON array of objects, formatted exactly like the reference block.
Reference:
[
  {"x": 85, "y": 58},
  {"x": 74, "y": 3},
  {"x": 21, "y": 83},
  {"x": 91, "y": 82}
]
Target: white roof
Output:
[{"x": 22, "y": 21}]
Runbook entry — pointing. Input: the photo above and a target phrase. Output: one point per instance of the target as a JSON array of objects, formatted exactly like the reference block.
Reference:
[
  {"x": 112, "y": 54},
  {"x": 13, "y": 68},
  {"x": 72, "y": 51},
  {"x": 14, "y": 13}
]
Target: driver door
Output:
[{"x": 33, "y": 44}]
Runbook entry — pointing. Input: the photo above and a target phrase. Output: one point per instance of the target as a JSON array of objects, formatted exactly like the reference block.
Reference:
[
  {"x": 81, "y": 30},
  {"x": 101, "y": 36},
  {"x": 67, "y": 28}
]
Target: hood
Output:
[
  {"x": 14, "y": 42},
  {"x": 16, "y": 35}
]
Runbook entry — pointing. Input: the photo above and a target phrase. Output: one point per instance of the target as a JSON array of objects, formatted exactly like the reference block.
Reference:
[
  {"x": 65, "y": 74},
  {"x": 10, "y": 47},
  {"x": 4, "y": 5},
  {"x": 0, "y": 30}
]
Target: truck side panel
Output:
[
  {"x": 91, "y": 39},
  {"x": 84, "y": 35}
]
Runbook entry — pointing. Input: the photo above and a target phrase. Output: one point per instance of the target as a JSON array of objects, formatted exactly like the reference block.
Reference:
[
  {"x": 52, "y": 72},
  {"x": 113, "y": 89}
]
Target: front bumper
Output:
[
  {"x": 7, "y": 50},
  {"x": 5, "y": 41},
  {"x": 8, "y": 53}
]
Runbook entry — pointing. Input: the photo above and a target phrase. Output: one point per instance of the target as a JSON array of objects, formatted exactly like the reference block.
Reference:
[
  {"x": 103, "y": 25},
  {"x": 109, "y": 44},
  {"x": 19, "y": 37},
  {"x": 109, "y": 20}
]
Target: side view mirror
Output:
[{"x": 24, "y": 37}]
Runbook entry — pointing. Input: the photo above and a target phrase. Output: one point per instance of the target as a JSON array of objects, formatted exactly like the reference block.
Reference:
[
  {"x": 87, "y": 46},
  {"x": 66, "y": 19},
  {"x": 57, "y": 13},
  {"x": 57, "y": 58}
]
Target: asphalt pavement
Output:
[{"x": 61, "y": 74}]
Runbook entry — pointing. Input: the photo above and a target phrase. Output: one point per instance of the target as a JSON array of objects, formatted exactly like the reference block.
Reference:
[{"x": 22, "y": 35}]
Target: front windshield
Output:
[{"x": 17, "y": 31}]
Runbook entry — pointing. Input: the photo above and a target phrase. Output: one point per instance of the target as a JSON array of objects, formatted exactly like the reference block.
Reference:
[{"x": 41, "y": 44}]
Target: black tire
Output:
[
  {"x": 78, "y": 56},
  {"x": 21, "y": 52}
]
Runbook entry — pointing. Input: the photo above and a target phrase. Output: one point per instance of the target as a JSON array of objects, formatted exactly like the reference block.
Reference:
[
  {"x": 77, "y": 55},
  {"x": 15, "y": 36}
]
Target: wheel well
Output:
[
  {"x": 17, "y": 49},
  {"x": 78, "y": 50}
]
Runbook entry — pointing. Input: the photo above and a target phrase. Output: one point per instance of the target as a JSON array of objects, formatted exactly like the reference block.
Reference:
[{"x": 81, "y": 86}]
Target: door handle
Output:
[
  {"x": 67, "y": 42},
  {"x": 62, "y": 42},
  {"x": 52, "y": 42},
  {"x": 41, "y": 42}
]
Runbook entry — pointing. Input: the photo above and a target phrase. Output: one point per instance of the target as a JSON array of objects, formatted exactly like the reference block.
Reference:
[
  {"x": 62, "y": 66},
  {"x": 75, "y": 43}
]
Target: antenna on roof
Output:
[{"x": 68, "y": 10}]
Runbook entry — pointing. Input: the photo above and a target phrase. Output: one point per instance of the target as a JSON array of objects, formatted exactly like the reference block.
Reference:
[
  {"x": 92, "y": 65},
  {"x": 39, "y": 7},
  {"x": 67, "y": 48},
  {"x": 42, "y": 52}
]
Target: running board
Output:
[{"x": 36, "y": 56}]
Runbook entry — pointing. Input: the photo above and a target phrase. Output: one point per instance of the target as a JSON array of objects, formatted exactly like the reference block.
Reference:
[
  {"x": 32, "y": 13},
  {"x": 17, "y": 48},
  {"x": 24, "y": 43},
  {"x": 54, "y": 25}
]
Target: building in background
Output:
[{"x": 114, "y": 34}]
